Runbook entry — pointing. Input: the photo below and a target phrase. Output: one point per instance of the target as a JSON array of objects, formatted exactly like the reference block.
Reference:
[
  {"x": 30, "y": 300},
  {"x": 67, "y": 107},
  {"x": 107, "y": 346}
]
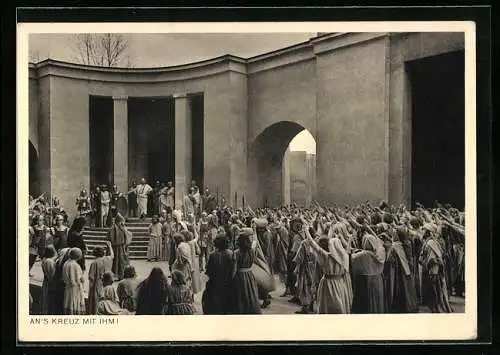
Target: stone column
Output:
[
  {"x": 120, "y": 142},
  {"x": 182, "y": 147},
  {"x": 400, "y": 153}
]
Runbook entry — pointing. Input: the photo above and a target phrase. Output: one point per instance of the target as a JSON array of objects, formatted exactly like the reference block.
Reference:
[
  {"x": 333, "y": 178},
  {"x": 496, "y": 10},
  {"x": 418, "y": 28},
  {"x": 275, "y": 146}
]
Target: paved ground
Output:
[{"x": 279, "y": 305}]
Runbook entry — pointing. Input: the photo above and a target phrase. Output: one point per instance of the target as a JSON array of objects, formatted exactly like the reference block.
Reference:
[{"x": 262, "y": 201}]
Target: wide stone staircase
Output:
[{"x": 140, "y": 236}]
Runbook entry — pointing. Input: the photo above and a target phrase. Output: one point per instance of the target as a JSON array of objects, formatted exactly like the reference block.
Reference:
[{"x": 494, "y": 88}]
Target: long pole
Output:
[{"x": 217, "y": 187}]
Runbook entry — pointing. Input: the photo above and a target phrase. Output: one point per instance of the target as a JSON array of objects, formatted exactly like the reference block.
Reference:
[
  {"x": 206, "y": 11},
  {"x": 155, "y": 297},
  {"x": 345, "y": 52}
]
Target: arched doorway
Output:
[
  {"x": 299, "y": 170},
  {"x": 268, "y": 175},
  {"x": 34, "y": 178}
]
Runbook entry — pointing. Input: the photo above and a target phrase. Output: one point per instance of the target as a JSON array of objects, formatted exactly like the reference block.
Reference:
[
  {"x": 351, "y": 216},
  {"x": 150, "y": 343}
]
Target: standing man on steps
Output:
[
  {"x": 120, "y": 238},
  {"x": 143, "y": 190}
]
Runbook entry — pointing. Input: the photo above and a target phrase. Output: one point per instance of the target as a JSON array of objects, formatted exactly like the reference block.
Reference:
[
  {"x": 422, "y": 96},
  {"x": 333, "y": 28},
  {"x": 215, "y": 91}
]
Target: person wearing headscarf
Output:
[
  {"x": 265, "y": 241},
  {"x": 183, "y": 259},
  {"x": 120, "y": 238},
  {"x": 295, "y": 240},
  {"x": 281, "y": 241},
  {"x": 48, "y": 285},
  {"x": 180, "y": 297},
  {"x": 75, "y": 238},
  {"x": 244, "y": 295},
  {"x": 127, "y": 289},
  {"x": 334, "y": 293},
  {"x": 415, "y": 236},
  {"x": 152, "y": 296},
  {"x": 400, "y": 292},
  {"x": 434, "y": 289},
  {"x": 304, "y": 261},
  {"x": 368, "y": 283},
  {"x": 177, "y": 226},
  {"x": 72, "y": 275},
  {"x": 108, "y": 301},
  {"x": 216, "y": 297},
  {"x": 59, "y": 285},
  {"x": 102, "y": 264},
  {"x": 456, "y": 234},
  {"x": 191, "y": 237}
]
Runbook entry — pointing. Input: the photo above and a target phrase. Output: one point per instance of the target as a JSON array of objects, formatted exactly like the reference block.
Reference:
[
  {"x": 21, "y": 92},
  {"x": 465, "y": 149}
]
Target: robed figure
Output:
[
  {"x": 400, "y": 292},
  {"x": 120, "y": 239},
  {"x": 434, "y": 288},
  {"x": 281, "y": 242},
  {"x": 143, "y": 191},
  {"x": 368, "y": 283}
]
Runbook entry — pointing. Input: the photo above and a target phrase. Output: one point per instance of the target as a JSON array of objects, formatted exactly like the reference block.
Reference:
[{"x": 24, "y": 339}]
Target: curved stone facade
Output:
[{"x": 350, "y": 90}]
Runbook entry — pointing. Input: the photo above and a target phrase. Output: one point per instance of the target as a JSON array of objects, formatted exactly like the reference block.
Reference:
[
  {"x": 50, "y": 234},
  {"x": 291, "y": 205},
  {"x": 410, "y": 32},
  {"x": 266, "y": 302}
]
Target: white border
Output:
[{"x": 252, "y": 328}]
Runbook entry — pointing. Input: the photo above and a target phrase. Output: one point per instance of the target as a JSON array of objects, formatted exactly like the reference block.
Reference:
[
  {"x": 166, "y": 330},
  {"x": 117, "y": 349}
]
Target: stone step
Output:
[
  {"x": 135, "y": 251},
  {"x": 103, "y": 237},
  {"x": 103, "y": 232},
  {"x": 102, "y": 243},
  {"x": 140, "y": 256}
]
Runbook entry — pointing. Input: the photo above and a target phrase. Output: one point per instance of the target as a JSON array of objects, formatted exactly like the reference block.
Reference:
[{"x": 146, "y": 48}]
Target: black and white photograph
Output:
[{"x": 193, "y": 173}]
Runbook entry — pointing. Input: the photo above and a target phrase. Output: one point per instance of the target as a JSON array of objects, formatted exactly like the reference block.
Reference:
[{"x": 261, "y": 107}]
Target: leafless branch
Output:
[{"x": 107, "y": 50}]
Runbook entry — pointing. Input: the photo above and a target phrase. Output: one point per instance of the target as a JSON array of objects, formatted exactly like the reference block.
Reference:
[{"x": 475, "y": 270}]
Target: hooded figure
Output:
[
  {"x": 72, "y": 275},
  {"x": 183, "y": 261},
  {"x": 400, "y": 292},
  {"x": 334, "y": 294},
  {"x": 434, "y": 288},
  {"x": 368, "y": 284},
  {"x": 120, "y": 238},
  {"x": 244, "y": 289}
]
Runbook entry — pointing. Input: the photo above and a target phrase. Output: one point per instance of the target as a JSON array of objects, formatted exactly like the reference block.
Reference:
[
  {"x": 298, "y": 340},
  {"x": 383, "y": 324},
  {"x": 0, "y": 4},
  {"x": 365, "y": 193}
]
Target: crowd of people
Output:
[
  {"x": 362, "y": 259},
  {"x": 141, "y": 200}
]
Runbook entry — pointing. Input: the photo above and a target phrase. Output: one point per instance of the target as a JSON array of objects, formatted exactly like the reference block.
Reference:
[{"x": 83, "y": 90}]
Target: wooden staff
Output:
[
  {"x": 235, "y": 199},
  {"x": 243, "y": 201},
  {"x": 251, "y": 211}
]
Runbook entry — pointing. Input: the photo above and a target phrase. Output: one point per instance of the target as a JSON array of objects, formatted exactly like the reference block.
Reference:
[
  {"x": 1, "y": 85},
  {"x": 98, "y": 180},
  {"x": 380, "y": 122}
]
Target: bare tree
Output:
[{"x": 104, "y": 50}]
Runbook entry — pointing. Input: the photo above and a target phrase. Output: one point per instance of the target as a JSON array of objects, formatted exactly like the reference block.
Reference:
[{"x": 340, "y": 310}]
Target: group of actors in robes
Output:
[
  {"x": 361, "y": 260},
  {"x": 141, "y": 200}
]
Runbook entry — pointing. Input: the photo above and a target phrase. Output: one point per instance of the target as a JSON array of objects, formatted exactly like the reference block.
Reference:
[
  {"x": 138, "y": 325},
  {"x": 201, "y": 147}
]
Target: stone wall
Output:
[
  {"x": 349, "y": 90},
  {"x": 352, "y": 115}
]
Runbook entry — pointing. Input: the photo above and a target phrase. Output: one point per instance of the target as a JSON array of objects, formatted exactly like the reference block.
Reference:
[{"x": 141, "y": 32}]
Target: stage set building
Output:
[{"x": 386, "y": 111}]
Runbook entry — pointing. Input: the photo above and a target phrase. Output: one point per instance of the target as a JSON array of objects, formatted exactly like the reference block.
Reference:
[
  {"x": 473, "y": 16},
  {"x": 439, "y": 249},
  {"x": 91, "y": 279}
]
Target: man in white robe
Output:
[{"x": 143, "y": 190}]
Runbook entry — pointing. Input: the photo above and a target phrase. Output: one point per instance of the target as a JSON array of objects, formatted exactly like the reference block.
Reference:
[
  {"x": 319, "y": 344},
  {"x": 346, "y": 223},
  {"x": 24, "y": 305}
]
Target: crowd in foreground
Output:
[{"x": 362, "y": 259}]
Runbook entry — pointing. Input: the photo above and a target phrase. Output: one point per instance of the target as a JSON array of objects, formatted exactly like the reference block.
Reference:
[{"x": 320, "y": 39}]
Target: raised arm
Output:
[
  {"x": 312, "y": 242},
  {"x": 110, "y": 249}
]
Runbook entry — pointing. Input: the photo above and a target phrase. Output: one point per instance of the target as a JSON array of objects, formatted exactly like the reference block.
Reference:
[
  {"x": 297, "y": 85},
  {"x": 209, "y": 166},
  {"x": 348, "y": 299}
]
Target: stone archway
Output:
[
  {"x": 265, "y": 163},
  {"x": 34, "y": 176}
]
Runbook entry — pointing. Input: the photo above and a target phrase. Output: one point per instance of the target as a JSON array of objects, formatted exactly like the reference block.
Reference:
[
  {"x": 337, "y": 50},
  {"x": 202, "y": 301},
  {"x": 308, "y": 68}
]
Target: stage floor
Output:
[{"x": 279, "y": 305}]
